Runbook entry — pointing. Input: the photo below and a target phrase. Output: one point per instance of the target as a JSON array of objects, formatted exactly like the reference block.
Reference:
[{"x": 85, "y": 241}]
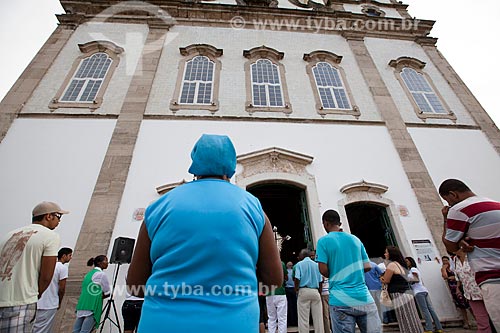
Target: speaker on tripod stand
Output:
[{"x": 121, "y": 254}]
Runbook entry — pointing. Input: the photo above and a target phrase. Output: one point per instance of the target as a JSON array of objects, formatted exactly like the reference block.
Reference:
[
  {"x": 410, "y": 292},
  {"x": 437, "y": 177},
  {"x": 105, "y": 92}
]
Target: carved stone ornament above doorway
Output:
[{"x": 274, "y": 160}]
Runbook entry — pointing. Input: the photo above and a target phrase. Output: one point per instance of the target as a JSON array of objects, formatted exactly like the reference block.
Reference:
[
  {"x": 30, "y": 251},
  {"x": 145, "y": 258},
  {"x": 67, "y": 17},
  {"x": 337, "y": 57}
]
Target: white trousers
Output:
[
  {"x": 44, "y": 320},
  {"x": 276, "y": 313},
  {"x": 309, "y": 300}
]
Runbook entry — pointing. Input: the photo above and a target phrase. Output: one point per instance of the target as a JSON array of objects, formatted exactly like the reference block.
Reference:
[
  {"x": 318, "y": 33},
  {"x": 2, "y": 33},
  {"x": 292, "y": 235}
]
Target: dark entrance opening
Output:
[
  {"x": 371, "y": 224},
  {"x": 286, "y": 207}
]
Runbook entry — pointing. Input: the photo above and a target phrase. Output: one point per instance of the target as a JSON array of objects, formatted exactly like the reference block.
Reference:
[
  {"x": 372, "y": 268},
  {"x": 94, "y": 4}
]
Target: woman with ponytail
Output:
[{"x": 95, "y": 287}]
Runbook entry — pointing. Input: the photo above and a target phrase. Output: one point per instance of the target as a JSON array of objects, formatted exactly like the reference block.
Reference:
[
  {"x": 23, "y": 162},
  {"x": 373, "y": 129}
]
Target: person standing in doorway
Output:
[
  {"x": 308, "y": 281},
  {"x": 342, "y": 257},
  {"x": 27, "y": 261},
  {"x": 291, "y": 296},
  {"x": 52, "y": 297}
]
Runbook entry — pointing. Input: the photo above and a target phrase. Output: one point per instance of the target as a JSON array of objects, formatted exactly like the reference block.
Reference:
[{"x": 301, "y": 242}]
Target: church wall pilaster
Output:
[
  {"x": 97, "y": 228},
  {"x": 413, "y": 164}
]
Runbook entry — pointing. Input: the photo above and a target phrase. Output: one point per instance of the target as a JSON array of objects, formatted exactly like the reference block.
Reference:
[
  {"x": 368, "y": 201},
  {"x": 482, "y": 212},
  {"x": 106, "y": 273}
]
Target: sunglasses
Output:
[{"x": 58, "y": 215}]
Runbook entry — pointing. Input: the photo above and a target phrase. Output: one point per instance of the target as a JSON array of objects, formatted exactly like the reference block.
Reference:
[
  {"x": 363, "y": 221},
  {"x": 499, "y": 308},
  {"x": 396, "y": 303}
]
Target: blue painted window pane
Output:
[
  {"x": 435, "y": 103},
  {"x": 259, "y": 95},
  {"x": 327, "y": 98},
  {"x": 422, "y": 103}
]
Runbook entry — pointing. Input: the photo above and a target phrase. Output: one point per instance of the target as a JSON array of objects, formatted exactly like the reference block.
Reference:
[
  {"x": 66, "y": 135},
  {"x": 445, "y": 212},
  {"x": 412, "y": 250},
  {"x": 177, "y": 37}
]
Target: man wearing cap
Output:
[
  {"x": 199, "y": 248},
  {"x": 27, "y": 261}
]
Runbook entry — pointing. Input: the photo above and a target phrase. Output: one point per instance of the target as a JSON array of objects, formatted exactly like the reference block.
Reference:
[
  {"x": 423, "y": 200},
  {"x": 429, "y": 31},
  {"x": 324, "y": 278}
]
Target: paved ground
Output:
[{"x": 393, "y": 328}]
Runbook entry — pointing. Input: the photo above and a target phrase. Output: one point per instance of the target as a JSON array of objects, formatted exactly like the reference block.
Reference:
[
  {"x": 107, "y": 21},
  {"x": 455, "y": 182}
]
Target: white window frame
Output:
[
  {"x": 317, "y": 57},
  {"x": 90, "y": 49},
  {"x": 188, "y": 53},
  {"x": 417, "y": 66},
  {"x": 274, "y": 57}
]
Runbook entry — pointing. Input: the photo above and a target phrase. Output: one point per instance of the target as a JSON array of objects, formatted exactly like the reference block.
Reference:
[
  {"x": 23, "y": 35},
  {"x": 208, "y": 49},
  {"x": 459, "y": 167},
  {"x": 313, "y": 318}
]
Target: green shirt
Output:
[
  {"x": 91, "y": 297},
  {"x": 280, "y": 290}
]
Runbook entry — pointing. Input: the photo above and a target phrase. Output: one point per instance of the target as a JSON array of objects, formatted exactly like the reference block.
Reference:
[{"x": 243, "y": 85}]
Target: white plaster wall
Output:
[
  {"x": 389, "y": 12},
  {"x": 463, "y": 154},
  {"x": 342, "y": 154},
  {"x": 385, "y": 50},
  {"x": 131, "y": 37},
  {"x": 232, "y": 93},
  {"x": 51, "y": 160}
]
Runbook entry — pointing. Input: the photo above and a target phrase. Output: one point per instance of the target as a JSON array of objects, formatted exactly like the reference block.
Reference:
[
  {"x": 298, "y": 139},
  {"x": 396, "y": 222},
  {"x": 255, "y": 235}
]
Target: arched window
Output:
[
  {"x": 266, "y": 86},
  {"x": 88, "y": 79},
  {"x": 419, "y": 88},
  {"x": 330, "y": 87},
  {"x": 197, "y": 86},
  {"x": 328, "y": 81},
  {"x": 422, "y": 92},
  {"x": 198, "y": 81},
  {"x": 85, "y": 84}
]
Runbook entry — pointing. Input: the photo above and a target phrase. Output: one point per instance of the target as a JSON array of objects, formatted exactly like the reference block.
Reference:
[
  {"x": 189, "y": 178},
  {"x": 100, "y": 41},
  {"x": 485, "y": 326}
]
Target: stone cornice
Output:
[
  {"x": 220, "y": 15},
  {"x": 100, "y": 46},
  {"x": 263, "y": 52},
  {"x": 321, "y": 55},
  {"x": 201, "y": 49},
  {"x": 364, "y": 186}
]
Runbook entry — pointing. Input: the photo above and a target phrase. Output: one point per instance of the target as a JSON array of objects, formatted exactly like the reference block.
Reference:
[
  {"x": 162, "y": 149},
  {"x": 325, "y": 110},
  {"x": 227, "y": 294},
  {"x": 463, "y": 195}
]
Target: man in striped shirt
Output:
[{"x": 474, "y": 222}]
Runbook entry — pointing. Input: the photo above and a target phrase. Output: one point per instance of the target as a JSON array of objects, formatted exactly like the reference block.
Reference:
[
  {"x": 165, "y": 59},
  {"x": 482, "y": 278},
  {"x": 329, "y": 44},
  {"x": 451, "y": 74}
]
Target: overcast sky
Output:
[{"x": 466, "y": 31}]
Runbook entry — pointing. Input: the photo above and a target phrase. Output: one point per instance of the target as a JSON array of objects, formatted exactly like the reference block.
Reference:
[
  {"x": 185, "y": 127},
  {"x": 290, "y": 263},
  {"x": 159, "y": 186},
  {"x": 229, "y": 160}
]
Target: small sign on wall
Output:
[
  {"x": 425, "y": 249},
  {"x": 139, "y": 214}
]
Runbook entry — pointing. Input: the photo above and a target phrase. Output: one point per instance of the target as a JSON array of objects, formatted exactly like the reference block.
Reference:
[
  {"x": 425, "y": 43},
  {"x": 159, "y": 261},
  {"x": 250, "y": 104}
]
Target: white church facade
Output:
[{"x": 344, "y": 105}]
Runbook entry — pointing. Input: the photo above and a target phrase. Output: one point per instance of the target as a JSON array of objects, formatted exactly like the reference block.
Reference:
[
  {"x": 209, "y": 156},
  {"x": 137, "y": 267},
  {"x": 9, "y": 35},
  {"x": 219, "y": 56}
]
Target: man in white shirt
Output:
[
  {"x": 28, "y": 258},
  {"x": 51, "y": 299}
]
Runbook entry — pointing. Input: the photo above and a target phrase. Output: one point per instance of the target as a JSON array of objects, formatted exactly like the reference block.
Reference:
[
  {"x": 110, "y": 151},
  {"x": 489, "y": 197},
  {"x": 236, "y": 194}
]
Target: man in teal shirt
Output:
[{"x": 342, "y": 257}]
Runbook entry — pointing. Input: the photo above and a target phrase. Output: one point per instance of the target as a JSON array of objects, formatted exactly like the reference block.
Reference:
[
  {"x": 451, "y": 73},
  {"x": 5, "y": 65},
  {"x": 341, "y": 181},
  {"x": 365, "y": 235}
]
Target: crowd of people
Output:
[{"x": 214, "y": 237}]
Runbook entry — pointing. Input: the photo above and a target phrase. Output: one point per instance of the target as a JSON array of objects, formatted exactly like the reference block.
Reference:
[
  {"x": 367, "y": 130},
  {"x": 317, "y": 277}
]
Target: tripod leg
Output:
[{"x": 117, "y": 324}]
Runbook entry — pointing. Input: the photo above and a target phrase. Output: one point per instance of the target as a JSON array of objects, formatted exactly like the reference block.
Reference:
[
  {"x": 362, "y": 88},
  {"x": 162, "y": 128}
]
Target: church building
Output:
[{"x": 341, "y": 104}]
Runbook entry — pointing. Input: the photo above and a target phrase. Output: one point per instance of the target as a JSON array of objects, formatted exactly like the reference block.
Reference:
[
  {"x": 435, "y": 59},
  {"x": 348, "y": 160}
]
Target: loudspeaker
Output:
[{"x": 122, "y": 251}]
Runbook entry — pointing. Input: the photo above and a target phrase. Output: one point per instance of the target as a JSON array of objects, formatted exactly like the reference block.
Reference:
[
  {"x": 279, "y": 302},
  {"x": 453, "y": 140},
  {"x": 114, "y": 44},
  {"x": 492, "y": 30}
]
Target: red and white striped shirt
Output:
[{"x": 479, "y": 219}]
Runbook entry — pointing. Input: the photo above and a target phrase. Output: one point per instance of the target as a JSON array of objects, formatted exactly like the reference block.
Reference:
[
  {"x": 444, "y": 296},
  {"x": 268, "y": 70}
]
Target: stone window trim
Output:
[
  {"x": 365, "y": 9},
  {"x": 264, "y": 52},
  {"x": 334, "y": 60},
  {"x": 190, "y": 52},
  {"x": 88, "y": 49},
  {"x": 418, "y": 65}
]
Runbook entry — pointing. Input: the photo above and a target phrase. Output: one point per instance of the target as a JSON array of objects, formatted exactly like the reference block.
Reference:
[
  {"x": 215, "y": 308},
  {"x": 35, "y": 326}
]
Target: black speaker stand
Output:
[{"x": 111, "y": 303}]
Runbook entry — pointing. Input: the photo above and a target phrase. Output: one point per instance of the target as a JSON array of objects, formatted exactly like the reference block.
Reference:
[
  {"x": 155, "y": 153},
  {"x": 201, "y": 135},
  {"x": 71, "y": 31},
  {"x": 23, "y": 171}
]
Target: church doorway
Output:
[
  {"x": 286, "y": 207},
  {"x": 371, "y": 224}
]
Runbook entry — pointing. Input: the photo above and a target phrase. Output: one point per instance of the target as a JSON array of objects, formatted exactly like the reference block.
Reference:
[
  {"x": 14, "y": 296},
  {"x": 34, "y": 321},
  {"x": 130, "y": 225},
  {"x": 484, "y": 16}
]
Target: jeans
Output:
[
  {"x": 345, "y": 318},
  {"x": 425, "y": 305},
  {"x": 84, "y": 324}
]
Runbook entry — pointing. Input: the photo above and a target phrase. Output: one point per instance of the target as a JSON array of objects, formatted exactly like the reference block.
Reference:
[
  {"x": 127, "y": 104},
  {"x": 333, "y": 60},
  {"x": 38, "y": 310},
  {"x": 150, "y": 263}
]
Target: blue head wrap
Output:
[{"x": 213, "y": 155}]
